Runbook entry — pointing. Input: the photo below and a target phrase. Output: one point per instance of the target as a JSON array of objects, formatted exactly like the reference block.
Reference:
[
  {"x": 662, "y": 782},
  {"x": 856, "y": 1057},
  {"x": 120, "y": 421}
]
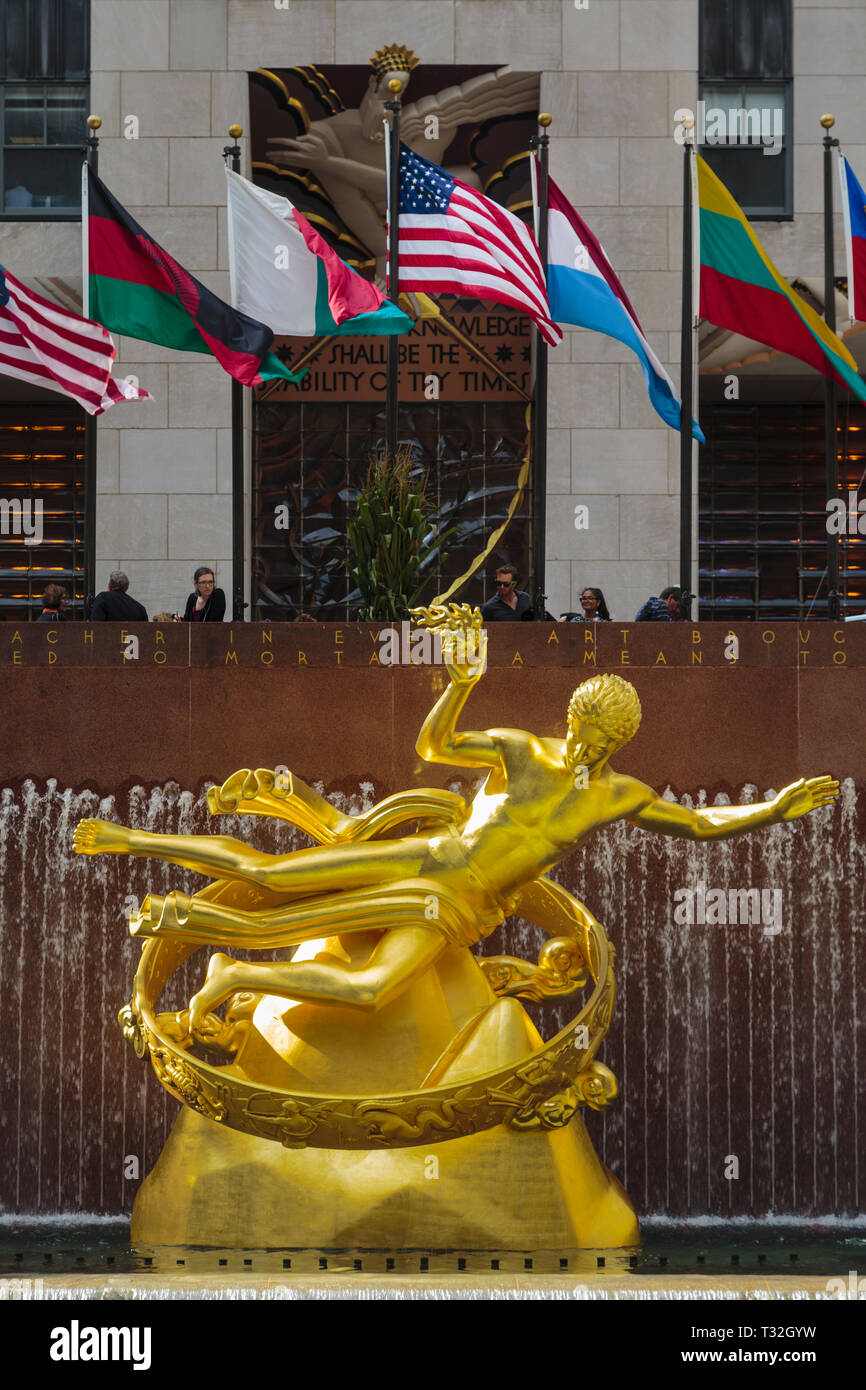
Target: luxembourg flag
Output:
[
  {"x": 854, "y": 213},
  {"x": 285, "y": 274},
  {"x": 584, "y": 290}
]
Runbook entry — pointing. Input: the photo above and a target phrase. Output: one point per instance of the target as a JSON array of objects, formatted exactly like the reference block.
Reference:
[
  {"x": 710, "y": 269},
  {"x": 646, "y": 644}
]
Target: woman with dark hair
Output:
[
  {"x": 594, "y": 608},
  {"x": 207, "y": 604},
  {"x": 53, "y": 605}
]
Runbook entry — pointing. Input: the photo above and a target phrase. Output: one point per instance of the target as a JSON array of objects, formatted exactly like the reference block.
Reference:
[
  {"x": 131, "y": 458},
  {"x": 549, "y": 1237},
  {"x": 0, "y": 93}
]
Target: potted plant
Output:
[{"x": 393, "y": 537}]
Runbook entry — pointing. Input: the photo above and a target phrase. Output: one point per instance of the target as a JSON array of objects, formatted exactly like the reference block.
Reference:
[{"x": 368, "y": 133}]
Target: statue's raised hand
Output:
[
  {"x": 805, "y": 795},
  {"x": 463, "y": 639}
]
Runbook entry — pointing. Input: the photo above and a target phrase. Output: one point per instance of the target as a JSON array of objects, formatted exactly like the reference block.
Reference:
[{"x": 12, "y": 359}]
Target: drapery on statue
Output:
[{"x": 422, "y": 894}]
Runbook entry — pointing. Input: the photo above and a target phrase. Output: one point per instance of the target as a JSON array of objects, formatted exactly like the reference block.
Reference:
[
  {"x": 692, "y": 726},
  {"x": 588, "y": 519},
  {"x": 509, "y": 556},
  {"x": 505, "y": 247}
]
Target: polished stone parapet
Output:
[{"x": 149, "y": 702}]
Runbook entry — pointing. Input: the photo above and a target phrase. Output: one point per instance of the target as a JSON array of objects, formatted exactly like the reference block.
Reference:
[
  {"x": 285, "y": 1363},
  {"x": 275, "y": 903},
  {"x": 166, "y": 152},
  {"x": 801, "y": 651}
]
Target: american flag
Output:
[
  {"x": 453, "y": 240},
  {"x": 51, "y": 347}
]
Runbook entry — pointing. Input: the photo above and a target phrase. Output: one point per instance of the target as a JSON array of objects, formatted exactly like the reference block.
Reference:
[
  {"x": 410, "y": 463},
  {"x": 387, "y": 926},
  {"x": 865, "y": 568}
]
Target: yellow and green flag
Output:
[{"x": 742, "y": 290}]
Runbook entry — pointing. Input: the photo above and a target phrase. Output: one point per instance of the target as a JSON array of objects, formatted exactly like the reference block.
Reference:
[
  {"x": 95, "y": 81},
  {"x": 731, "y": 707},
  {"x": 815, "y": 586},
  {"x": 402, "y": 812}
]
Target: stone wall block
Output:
[
  {"x": 167, "y": 103},
  {"x": 168, "y": 461},
  {"x": 129, "y": 525},
  {"x": 651, "y": 173},
  {"x": 132, "y": 35},
  {"x": 136, "y": 171},
  {"x": 650, "y": 527},
  {"x": 587, "y": 171},
  {"x": 197, "y": 172},
  {"x": 140, "y": 415},
  {"x": 260, "y": 35},
  {"x": 198, "y": 34},
  {"x": 525, "y": 33},
  {"x": 363, "y": 26},
  {"x": 199, "y": 528},
  {"x": 199, "y": 396},
  {"x": 619, "y": 461},
  {"x": 598, "y": 540},
  {"x": 590, "y": 37},
  {"x": 658, "y": 34},
  {"x": 616, "y": 104},
  {"x": 583, "y": 394}
]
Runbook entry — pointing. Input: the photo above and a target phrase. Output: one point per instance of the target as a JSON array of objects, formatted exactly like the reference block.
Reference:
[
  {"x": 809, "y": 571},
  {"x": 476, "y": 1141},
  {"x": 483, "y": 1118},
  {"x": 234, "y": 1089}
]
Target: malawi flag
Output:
[
  {"x": 138, "y": 289},
  {"x": 742, "y": 290},
  {"x": 854, "y": 213}
]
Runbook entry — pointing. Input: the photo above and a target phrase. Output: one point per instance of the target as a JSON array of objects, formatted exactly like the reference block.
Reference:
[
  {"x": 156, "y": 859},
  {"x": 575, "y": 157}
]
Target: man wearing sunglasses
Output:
[{"x": 509, "y": 603}]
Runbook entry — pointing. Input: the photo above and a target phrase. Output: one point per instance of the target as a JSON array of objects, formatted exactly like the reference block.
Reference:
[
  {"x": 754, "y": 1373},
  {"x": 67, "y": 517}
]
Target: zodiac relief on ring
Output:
[{"x": 395, "y": 898}]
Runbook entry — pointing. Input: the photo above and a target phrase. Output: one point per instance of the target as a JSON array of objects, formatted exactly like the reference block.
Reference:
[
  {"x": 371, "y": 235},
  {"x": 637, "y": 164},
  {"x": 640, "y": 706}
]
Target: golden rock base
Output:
[
  {"x": 498, "y": 1190},
  {"x": 501, "y": 1189}
]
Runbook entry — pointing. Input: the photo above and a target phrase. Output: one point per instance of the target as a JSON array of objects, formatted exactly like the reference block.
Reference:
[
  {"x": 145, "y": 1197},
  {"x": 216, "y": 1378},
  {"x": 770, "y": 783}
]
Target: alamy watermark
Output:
[
  {"x": 846, "y": 515},
  {"x": 854, "y": 1288},
  {"x": 732, "y": 125},
  {"x": 22, "y": 517},
  {"x": 19, "y": 1289},
  {"x": 404, "y": 646},
  {"x": 77, "y": 1343},
  {"x": 702, "y": 906}
]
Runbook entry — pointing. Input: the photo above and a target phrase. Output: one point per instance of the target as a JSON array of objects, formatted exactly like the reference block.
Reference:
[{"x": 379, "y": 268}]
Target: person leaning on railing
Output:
[{"x": 595, "y": 610}]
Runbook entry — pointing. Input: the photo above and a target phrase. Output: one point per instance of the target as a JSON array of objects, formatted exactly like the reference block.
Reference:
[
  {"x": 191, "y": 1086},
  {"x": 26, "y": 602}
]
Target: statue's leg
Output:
[
  {"x": 398, "y": 958},
  {"x": 222, "y": 856}
]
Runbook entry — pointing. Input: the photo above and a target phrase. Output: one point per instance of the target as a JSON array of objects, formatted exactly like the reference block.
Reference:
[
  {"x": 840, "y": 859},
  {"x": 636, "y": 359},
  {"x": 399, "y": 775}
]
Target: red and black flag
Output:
[{"x": 138, "y": 289}]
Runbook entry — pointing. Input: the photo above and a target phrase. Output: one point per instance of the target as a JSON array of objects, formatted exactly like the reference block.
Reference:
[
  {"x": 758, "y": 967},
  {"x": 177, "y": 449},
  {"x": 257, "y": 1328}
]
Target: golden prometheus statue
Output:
[{"x": 413, "y": 1102}]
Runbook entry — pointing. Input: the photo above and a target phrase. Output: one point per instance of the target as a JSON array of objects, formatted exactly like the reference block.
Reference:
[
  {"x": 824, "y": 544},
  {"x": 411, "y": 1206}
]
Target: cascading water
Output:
[{"x": 738, "y": 1049}]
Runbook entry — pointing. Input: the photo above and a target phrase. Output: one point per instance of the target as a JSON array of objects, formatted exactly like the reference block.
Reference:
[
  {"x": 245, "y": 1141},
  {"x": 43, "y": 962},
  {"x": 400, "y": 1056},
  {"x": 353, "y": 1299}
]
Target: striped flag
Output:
[
  {"x": 585, "y": 291},
  {"x": 137, "y": 288},
  {"x": 453, "y": 240},
  {"x": 854, "y": 216},
  {"x": 50, "y": 347},
  {"x": 742, "y": 290},
  {"x": 285, "y": 274}
]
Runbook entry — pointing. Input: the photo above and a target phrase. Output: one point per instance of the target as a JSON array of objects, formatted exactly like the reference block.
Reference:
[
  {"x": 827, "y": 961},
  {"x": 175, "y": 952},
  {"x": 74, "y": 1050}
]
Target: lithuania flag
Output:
[
  {"x": 138, "y": 289},
  {"x": 742, "y": 290}
]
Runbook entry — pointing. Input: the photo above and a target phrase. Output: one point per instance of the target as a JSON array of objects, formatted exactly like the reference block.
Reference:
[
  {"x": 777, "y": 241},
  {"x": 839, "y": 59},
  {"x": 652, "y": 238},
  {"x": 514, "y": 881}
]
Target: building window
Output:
[
  {"x": 745, "y": 117},
  {"x": 763, "y": 512},
  {"x": 41, "y": 506},
  {"x": 44, "y": 69}
]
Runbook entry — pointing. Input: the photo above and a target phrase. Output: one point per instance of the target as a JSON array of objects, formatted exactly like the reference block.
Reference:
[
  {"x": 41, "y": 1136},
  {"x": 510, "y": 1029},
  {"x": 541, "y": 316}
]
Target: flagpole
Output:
[
  {"x": 539, "y": 413},
  {"x": 238, "y": 480},
  {"x": 830, "y": 447},
  {"x": 91, "y": 160},
  {"x": 686, "y": 384},
  {"x": 392, "y": 380}
]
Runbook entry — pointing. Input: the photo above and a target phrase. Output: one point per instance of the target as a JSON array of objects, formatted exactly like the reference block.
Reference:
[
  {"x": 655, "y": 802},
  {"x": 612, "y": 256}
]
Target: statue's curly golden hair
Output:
[{"x": 610, "y": 704}]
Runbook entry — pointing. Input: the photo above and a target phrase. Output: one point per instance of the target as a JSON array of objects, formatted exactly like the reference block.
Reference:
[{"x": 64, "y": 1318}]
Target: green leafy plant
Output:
[{"x": 393, "y": 537}]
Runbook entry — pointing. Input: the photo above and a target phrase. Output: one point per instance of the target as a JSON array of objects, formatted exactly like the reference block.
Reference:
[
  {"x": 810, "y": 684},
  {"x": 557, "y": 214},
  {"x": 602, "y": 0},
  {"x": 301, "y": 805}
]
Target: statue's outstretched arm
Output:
[
  {"x": 464, "y": 648},
  {"x": 719, "y": 822}
]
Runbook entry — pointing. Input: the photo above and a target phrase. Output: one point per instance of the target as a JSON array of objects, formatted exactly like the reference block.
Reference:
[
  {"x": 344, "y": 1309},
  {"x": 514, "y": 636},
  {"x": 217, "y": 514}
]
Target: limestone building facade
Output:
[{"x": 613, "y": 74}]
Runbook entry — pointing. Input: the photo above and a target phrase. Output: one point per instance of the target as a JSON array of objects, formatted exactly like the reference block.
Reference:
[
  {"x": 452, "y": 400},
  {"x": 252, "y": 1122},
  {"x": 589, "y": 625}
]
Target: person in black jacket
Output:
[
  {"x": 115, "y": 605},
  {"x": 509, "y": 604},
  {"x": 207, "y": 604}
]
